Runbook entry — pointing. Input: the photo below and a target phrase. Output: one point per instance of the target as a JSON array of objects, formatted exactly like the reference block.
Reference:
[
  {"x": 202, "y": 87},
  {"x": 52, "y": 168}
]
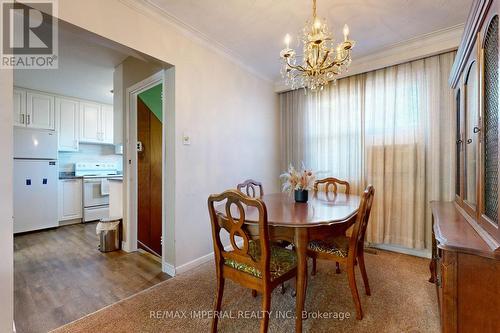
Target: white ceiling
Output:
[
  {"x": 254, "y": 29},
  {"x": 85, "y": 68}
]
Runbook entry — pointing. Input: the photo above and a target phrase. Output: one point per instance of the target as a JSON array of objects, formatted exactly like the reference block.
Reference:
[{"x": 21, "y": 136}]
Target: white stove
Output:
[
  {"x": 92, "y": 169},
  {"x": 95, "y": 188}
]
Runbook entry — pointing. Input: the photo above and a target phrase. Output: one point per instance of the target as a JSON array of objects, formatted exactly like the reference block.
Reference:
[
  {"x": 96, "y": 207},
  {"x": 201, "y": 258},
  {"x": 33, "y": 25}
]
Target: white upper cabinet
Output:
[
  {"x": 96, "y": 123},
  {"x": 67, "y": 123},
  {"x": 40, "y": 111},
  {"x": 90, "y": 122},
  {"x": 19, "y": 107},
  {"x": 75, "y": 120},
  {"x": 107, "y": 124}
]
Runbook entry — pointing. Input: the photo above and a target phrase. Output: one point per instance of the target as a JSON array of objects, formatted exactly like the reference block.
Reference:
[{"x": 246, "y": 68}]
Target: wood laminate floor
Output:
[{"x": 60, "y": 276}]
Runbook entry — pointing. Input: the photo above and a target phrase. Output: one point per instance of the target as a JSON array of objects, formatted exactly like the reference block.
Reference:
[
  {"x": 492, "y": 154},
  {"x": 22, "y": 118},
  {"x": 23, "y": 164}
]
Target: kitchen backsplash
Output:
[{"x": 89, "y": 153}]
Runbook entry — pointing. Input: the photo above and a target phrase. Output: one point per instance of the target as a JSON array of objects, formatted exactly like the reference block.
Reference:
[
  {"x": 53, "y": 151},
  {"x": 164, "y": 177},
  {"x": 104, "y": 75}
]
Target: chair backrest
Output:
[
  {"x": 359, "y": 230},
  {"x": 249, "y": 186},
  {"x": 236, "y": 204},
  {"x": 332, "y": 182}
]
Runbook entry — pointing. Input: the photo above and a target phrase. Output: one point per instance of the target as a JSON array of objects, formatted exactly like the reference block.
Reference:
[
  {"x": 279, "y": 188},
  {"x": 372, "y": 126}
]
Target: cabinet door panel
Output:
[
  {"x": 67, "y": 111},
  {"x": 490, "y": 109},
  {"x": 107, "y": 123},
  {"x": 471, "y": 134},
  {"x": 40, "y": 112},
  {"x": 90, "y": 122},
  {"x": 70, "y": 194},
  {"x": 458, "y": 143},
  {"x": 19, "y": 107}
]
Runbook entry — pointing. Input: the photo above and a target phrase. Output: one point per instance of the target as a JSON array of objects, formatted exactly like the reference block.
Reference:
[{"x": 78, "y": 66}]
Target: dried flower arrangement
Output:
[{"x": 295, "y": 180}]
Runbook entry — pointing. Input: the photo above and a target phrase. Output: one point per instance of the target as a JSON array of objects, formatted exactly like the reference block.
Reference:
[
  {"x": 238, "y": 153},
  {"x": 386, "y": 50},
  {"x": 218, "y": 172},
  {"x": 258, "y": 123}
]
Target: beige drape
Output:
[{"x": 392, "y": 128}]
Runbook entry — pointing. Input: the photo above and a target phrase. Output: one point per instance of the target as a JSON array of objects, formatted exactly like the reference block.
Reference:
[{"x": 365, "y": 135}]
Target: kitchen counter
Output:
[
  {"x": 71, "y": 175},
  {"x": 116, "y": 179}
]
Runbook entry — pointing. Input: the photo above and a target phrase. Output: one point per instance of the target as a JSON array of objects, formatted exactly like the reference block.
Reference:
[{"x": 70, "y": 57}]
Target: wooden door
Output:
[
  {"x": 149, "y": 133},
  {"x": 67, "y": 123},
  {"x": 40, "y": 112},
  {"x": 90, "y": 122}
]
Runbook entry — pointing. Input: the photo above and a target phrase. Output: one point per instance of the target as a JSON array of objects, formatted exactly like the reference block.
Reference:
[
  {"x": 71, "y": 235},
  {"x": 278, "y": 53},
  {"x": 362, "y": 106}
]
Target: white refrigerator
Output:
[{"x": 35, "y": 179}]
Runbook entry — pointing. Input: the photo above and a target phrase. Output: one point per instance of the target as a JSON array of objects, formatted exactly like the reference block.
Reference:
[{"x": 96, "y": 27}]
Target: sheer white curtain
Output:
[
  {"x": 392, "y": 128},
  {"x": 325, "y": 130}
]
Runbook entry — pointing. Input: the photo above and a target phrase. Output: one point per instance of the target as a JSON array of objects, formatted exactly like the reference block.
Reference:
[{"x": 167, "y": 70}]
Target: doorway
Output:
[
  {"x": 146, "y": 173},
  {"x": 149, "y": 169}
]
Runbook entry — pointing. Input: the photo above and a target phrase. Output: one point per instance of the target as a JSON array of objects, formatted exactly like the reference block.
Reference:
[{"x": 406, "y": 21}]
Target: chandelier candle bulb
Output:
[
  {"x": 287, "y": 41},
  {"x": 317, "y": 24},
  {"x": 346, "y": 32}
]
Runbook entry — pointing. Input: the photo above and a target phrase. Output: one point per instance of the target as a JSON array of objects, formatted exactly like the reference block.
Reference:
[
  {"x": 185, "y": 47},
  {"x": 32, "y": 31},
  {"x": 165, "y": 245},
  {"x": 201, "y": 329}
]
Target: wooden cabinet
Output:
[
  {"x": 466, "y": 272},
  {"x": 67, "y": 123},
  {"x": 70, "y": 199},
  {"x": 40, "y": 111},
  {"x": 475, "y": 80},
  {"x": 96, "y": 123},
  {"x": 465, "y": 263}
]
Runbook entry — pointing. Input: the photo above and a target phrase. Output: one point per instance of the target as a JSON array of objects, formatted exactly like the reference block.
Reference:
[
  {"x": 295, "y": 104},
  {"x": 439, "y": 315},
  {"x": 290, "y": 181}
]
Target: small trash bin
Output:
[{"x": 109, "y": 232}]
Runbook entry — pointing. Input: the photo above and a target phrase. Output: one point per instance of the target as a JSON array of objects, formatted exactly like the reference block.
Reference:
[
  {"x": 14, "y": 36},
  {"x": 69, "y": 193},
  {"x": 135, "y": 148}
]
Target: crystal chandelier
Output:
[{"x": 321, "y": 61}]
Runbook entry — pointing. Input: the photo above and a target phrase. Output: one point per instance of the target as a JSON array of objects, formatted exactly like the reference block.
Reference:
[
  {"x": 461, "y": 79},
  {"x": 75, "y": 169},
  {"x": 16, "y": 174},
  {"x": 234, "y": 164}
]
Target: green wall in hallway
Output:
[{"x": 153, "y": 99}]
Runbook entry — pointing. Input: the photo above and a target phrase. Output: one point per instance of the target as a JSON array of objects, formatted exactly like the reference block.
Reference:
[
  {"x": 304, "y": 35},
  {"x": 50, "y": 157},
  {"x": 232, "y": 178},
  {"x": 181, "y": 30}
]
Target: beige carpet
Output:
[{"x": 402, "y": 301}]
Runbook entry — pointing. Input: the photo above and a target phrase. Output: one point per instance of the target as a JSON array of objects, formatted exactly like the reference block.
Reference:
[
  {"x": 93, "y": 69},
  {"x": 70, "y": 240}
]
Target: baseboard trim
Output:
[
  {"x": 193, "y": 263},
  {"x": 169, "y": 269},
  {"x": 403, "y": 250},
  {"x": 201, "y": 260}
]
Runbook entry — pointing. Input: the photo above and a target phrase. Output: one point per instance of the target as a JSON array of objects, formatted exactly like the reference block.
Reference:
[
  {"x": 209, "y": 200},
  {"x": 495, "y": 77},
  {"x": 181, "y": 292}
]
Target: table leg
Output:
[{"x": 301, "y": 239}]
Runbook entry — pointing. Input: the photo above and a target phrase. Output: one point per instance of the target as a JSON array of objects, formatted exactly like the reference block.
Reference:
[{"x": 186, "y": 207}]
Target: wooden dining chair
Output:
[
  {"x": 349, "y": 250},
  {"x": 253, "y": 263},
  {"x": 249, "y": 187},
  {"x": 327, "y": 183}
]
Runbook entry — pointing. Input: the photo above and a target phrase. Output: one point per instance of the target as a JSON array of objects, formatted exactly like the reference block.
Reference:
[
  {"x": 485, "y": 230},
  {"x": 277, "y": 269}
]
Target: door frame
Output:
[{"x": 130, "y": 217}]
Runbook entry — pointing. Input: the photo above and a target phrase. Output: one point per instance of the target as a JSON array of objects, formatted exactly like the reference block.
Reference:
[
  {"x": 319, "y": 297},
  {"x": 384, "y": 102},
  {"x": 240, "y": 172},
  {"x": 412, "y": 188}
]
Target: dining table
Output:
[{"x": 324, "y": 215}]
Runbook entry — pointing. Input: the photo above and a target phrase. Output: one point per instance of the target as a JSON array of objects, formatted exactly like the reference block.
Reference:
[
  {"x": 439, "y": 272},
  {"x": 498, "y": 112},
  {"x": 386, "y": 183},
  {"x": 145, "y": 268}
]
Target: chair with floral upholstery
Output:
[
  {"x": 349, "y": 250},
  {"x": 249, "y": 187},
  {"x": 326, "y": 184},
  {"x": 253, "y": 261}
]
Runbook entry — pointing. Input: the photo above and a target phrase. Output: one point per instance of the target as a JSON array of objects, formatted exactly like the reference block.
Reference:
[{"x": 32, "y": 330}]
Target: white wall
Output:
[
  {"x": 230, "y": 114},
  {"x": 6, "y": 205}
]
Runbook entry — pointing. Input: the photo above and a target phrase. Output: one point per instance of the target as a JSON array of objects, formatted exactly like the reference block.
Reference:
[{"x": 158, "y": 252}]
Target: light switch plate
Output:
[{"x": 186, "y": 139}]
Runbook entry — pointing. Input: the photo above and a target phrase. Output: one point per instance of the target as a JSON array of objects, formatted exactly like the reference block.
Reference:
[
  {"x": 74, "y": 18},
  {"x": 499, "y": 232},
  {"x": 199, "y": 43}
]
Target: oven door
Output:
[{"x": 92, "y": 196}]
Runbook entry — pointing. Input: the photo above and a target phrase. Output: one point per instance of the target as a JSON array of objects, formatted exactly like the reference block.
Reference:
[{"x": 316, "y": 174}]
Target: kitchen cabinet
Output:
[
  {"x": 96, "y": 123},
  {"x": 76, "y": 120},
  {"x": 90, "y": 122},
  {"x": 70, "y": 199},
  {"x": 19, "y": 107},
  {"x": 40, "y": 112},
  {"x": 33, "y": 109},
  {"x": 67, "y": 123},
  {"x": 107, "y": 123}
]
